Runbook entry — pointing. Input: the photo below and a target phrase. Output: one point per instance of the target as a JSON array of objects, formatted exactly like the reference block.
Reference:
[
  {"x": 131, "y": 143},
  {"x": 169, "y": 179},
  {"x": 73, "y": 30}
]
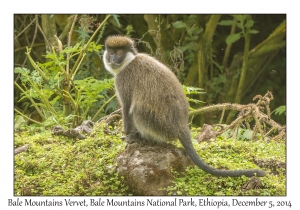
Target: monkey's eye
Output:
[
  {"x": 111, "y": 52},
  {"x": 119, "y": 53}
]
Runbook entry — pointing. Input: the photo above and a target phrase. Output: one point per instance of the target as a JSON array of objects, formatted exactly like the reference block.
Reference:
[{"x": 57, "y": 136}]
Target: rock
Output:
[
  {"x": 206, "y": 134},
  {"x": 146, "y": 168},
  {"x": 253, "y": 184}
]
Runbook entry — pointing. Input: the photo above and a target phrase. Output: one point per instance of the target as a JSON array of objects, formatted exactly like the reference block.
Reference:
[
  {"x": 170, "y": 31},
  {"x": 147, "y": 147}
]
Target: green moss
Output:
[
  {"x": 232, "y": 154},
  {"x": 57, "y": 165}
]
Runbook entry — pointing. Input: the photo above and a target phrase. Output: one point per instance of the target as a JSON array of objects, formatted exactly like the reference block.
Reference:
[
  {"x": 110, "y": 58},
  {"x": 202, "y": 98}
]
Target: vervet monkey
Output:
[{"x": 154, "y": 105}]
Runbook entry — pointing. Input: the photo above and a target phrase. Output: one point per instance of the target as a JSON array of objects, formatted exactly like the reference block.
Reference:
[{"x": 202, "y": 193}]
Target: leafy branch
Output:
[{"x": 51, "y": 87}]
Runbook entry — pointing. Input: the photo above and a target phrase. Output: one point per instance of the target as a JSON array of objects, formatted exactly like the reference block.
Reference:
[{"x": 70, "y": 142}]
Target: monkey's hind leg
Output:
[{"x": 137, "y": 137}]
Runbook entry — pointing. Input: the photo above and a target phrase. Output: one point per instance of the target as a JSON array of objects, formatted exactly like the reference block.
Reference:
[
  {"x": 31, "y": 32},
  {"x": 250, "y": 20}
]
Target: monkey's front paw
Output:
[{"x": 131, "y": 138}]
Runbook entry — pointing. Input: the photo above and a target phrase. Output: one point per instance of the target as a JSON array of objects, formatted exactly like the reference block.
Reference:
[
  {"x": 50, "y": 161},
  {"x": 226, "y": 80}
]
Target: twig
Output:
[
  {"x": 107, "y": 120},
  {"x": 21, "y": 149},
  {"x": 82, "y": 53},
  {"x": 69, "y": 43},
  {"x": 246, "y": 112},
  {"x": 28, "y": 118},
  {"x": 25, "y": 28},
  {"x": 42, "y": 32},
  {"x": 111, "y": 114},
  {"x": 98, "y": 112}
]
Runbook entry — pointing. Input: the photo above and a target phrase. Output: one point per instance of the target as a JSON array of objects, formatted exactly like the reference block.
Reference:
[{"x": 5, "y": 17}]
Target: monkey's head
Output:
[{"x": 119, "y": 51}]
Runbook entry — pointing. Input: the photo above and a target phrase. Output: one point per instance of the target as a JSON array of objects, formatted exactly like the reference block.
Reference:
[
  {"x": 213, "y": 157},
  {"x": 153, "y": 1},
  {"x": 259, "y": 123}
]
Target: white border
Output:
[{"x": 154, "y": 6}]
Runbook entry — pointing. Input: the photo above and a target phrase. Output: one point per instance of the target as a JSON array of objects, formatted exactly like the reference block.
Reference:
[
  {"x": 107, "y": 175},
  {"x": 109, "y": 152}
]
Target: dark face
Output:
[{"x": 115, "y": 56}]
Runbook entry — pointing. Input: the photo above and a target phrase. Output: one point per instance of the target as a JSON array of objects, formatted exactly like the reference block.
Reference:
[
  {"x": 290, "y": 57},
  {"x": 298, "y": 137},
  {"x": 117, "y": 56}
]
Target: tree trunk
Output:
[
  {"x": 49, "y": 31},
  {"x": 241, "y": 86}
]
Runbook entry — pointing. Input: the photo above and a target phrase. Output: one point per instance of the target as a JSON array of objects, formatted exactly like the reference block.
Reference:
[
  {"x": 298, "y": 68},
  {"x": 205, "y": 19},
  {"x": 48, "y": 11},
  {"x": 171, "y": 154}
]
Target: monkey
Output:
[{"x": 154, "y": 106}]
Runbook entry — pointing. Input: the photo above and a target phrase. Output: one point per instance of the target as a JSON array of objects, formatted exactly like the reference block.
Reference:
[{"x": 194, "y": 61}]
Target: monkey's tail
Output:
[{"x": 187, "y": 144}]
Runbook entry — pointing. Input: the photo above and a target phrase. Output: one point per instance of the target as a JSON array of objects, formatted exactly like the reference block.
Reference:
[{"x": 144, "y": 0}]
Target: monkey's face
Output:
[
  {"x": 115, "y": 57},
  {"x": 119, "y": 53}
]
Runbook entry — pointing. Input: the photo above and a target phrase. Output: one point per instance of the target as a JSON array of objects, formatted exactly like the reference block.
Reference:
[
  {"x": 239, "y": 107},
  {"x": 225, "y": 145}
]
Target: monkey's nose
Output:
[{"x": 113, "y": 58}]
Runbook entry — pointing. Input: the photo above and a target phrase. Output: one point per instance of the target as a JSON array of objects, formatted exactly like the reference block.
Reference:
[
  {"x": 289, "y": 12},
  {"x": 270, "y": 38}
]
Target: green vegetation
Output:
[
  {"x": 60, "y": 166},
  {"x": 234, "y": 154},
  {"x": 231, "y": 57},
  {"x": 57, "y": 88}
]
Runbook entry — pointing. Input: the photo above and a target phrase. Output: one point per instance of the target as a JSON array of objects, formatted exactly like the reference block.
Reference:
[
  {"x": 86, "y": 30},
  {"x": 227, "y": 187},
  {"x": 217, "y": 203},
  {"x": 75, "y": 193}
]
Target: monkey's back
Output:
[{"x": 158, "y": 106}]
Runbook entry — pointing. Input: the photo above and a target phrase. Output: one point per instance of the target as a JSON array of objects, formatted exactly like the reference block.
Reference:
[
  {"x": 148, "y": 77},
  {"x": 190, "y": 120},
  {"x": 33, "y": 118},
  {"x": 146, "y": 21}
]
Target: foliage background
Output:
[{"x": 196, "y": 47}]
